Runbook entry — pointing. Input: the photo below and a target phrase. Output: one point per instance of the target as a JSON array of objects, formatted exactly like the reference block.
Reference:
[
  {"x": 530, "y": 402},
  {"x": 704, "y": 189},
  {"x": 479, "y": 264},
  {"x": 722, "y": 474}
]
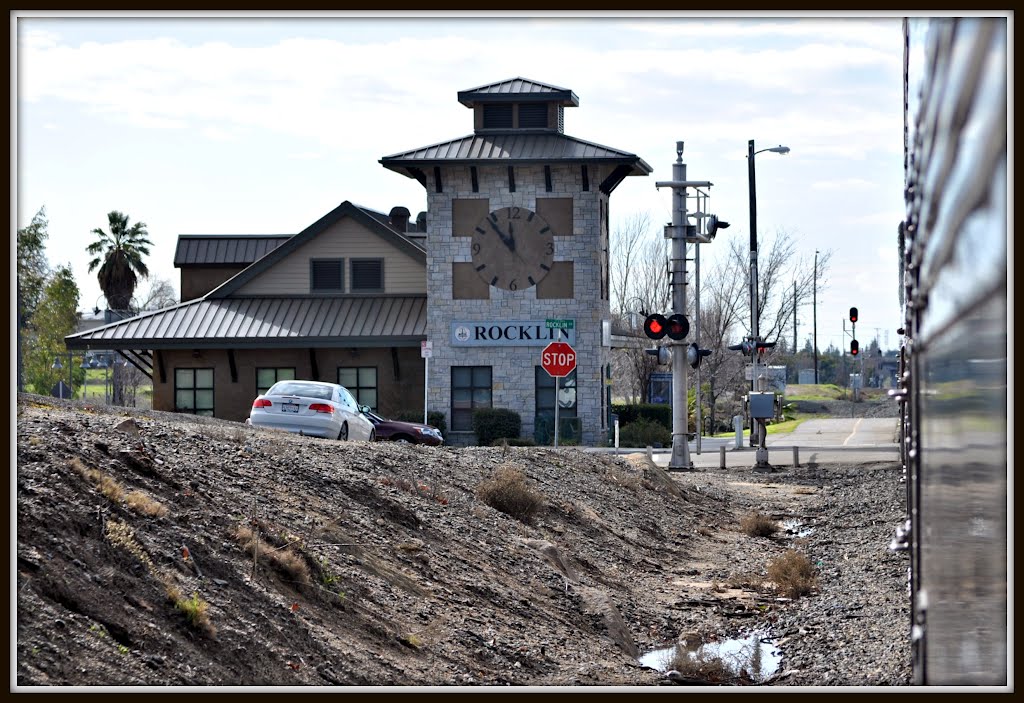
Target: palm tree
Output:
[{"x": 119, "y": 257}]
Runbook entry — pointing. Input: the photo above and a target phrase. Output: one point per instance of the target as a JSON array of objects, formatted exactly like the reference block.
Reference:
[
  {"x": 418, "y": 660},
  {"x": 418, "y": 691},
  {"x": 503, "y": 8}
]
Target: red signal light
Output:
[
  {"x": 853, "y": 314},
  {"x": 655, "y": 326},
  {"x": 854, "y": 348},
  {"x": 678, "y": 326}
]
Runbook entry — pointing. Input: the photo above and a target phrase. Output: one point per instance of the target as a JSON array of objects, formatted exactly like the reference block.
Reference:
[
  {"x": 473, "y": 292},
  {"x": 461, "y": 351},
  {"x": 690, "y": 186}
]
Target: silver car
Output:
[{"x": 312, "y": 408}]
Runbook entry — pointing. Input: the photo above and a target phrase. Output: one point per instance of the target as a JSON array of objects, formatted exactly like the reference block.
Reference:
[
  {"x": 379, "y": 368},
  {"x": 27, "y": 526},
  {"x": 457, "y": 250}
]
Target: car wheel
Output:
[
  {"x": 343, "y": 435},
  {"x": 403, "y": 440}
]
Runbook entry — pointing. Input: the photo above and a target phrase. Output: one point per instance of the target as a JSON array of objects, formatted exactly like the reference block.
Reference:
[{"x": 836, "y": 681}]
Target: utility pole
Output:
[
  {"x": 678, "y": 232},
  {"x": 815, "y": 316},
  {"x": 794, "y": 318}
]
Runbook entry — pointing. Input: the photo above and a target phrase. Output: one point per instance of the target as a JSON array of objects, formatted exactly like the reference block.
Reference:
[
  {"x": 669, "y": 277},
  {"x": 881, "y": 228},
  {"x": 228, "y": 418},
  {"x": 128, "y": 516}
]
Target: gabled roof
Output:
[
  {"x": 197, "y": 250},
  {"x": 285, "y": 321},
  {"x": 514, "y": 148},
  {"x": 346, "y": 209},
  {"x": 518, "y": 90}
]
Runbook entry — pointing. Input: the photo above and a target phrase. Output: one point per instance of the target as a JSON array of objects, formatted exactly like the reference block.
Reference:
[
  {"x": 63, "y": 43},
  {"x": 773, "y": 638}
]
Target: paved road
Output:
[{"x": 831, "y": 440}]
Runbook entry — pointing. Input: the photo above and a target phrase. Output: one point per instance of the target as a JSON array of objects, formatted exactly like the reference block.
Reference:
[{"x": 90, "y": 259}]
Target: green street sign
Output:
[{"x": 560, "y": 324}]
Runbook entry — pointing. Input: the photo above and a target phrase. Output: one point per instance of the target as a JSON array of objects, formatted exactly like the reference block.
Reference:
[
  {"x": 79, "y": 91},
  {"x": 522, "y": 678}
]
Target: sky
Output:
[{"x": 246, "y": 124}]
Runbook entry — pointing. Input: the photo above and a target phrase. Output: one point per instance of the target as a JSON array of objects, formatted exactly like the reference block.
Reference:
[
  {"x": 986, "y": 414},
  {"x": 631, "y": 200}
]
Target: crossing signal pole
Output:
[{"x": 680, "y": 233}]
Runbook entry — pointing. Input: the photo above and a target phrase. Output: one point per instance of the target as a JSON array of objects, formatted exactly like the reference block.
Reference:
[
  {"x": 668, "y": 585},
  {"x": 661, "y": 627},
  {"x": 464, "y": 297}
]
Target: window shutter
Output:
[
  {"x": 326, "y": 274},
  {"x": 533, "y": 115},
  {"x": 497, "y": 116},
  {"x": 367, "y": 274}
]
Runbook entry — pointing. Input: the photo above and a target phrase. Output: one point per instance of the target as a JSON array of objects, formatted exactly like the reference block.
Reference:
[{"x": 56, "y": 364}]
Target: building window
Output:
[
  {"x": 361, "y": 381},
  {"x": 545, "y": 394},
  {"x": 326, "y": 275},
  {"x": 193, "y": 391},
  {"x": 471, "y": 390},
  {"x": 367, "y": 275},
  {"x": 266, "y": 377}
]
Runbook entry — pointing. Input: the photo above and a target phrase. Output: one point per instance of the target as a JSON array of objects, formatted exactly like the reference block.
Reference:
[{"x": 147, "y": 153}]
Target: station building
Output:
[{"x": 515, "y": 234}]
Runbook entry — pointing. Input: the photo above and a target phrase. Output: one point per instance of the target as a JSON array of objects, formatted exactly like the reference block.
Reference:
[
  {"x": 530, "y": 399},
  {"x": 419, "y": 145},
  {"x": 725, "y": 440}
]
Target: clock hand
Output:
[{"x": 507, "y": 241}]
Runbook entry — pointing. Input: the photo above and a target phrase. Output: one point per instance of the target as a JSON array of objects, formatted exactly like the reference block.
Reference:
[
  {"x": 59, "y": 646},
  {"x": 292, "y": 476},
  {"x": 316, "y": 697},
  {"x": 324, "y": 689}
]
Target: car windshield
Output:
[{"x": 306, "y": 390}]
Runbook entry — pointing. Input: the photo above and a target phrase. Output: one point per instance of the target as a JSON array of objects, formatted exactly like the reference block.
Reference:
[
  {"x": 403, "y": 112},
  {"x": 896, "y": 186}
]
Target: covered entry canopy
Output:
[{"x": 263, "y": 322}]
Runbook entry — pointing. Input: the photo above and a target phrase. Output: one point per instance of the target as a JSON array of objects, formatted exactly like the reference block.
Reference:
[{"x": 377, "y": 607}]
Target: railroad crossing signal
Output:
[
  {"x": 558, "y": 359},
  {"x": 695, "y": 354},
  {"x": 662, "y": 353},
  {"x": 676, "y": 326}
]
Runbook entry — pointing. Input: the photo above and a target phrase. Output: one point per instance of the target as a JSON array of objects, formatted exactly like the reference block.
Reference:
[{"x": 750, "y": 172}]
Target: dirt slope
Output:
[{"x": 375, "y": 564}]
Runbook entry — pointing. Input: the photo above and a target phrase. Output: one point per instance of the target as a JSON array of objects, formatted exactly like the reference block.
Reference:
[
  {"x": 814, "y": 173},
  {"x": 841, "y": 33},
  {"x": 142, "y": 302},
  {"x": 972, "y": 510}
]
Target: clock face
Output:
[{"x": 513, "y": 248}]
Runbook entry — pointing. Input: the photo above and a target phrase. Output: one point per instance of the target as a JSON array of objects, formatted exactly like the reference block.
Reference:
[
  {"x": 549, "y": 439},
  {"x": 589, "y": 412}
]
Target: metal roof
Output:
[
  {"x": 518, "y": 90},
  {"x": 224, "y": 249},
  {"x": 252, "y": 322},
  {"x": 514, "y": 147}
]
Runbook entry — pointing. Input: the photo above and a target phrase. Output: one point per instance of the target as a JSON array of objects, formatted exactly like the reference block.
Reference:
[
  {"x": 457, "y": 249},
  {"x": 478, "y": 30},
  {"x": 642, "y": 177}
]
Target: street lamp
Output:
[{"x": 762, "y": 454}]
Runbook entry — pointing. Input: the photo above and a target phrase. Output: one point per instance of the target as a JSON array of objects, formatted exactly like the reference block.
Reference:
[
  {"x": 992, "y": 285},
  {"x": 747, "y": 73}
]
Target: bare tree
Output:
[
  {"x": 160, "y": 294},
  {"x": 721, "y": 318},
  {"x": 778, "y": 269},
  {"x": 639, "y": 284}
]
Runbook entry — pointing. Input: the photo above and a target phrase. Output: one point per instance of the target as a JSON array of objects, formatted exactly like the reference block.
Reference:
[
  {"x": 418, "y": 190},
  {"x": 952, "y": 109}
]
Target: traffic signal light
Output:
[
  {"x": 655, "y": 326},
  {"x": 694, "y": 354},
  {"x": 853, "y": 314},
  {"x": 854, "y": 347},
  {"x": 678, "y": 326}
]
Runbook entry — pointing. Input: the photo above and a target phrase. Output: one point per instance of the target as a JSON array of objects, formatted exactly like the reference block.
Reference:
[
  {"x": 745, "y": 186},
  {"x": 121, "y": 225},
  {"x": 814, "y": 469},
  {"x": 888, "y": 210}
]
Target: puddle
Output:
[
  {"x": 797, "y": 528},
  {"x": 758, "y": 656}
]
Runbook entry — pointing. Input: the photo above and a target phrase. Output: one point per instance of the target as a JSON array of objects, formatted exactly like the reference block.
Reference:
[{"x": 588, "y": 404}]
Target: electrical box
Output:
[{"x": 762, "y": 405}]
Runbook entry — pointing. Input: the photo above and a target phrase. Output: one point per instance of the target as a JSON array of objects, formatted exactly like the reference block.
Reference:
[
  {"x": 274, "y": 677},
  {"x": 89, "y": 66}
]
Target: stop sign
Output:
[{"x": 558, "y": 359}]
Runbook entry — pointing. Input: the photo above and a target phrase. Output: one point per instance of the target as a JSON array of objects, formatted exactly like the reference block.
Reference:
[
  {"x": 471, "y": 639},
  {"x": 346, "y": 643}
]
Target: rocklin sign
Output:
[{"x": 508, "y": 333}]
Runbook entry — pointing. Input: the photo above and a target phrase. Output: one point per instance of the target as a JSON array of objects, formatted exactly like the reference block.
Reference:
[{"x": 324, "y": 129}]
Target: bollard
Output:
[
  {"x": 796, "y": 456},
  {"x": 650, "y": 453},
  {"x": 721, "y": 457}
]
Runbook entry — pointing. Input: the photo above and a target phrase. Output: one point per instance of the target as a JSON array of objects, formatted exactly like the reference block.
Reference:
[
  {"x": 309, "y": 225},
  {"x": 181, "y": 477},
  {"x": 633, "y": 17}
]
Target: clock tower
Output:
[{"x": 517, "y": 257}]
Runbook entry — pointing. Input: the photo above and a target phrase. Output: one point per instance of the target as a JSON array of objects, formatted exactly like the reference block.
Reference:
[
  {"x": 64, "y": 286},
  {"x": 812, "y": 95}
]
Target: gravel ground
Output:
[{"x": 401, "y": 575}]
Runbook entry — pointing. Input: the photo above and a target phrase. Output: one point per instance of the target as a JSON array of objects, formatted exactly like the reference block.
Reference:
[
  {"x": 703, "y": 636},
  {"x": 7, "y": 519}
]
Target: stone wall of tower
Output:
[{"x": 513, "y": 380}]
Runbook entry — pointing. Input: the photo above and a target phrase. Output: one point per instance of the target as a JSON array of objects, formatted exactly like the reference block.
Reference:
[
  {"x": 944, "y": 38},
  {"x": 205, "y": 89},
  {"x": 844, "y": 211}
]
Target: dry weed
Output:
[
  {"x": 698, "y": 666},
  {"x": 757, "y": 524},
  {"x": 142, "y": 503},
  {"x": 506, "y": 490},
  {"x": 792, "y": 574},
  {"x": 284, "y": 559}
]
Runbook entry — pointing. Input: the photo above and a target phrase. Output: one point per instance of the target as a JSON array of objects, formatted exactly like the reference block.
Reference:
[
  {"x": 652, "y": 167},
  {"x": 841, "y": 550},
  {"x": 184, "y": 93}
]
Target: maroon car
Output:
[{"x": 399, "y": 431}]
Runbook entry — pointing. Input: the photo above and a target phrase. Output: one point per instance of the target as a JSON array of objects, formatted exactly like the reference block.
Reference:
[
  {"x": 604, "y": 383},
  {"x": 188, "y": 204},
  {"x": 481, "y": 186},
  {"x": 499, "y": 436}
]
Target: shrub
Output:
[
  {"x": 758, "y": 525},
  {"x": 654, "y": 412},
  {"x": 792, "y": 574},
  {"x": 506, "y": 490},
  {"x": 642, "y": 433},
  {"x": 490, "y": 424}
]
